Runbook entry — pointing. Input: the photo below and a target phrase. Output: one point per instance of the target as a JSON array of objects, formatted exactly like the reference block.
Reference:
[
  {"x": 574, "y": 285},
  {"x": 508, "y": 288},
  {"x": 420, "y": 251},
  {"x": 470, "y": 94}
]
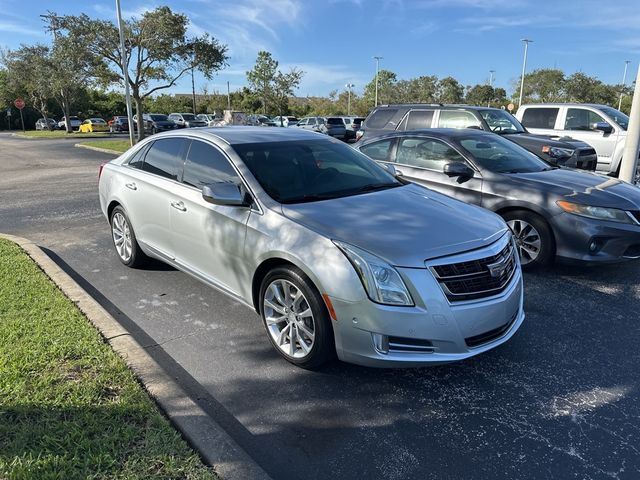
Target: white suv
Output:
[{"x": 601, "y": 126}]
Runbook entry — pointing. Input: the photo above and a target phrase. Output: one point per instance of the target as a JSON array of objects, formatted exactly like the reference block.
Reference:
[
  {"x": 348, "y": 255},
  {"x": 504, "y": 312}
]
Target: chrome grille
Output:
[{"x": 479, "y": 278}]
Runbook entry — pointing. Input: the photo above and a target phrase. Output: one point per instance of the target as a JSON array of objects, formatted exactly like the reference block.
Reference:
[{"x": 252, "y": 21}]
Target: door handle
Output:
[
  {"x": 131, "y": 185},
  {"x": 179, "y": 206}
]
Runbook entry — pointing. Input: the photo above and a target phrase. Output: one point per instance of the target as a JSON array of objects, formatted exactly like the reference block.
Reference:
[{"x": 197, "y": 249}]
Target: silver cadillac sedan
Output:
[{"x": 336, "y": 254}]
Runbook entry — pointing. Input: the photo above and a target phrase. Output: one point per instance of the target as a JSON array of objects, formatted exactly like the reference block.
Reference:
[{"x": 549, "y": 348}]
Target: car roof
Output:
[
  {"x": 438, "y": 106},
  {"x": 592, "y": 105},
  {"x": 237, "y": 135}
]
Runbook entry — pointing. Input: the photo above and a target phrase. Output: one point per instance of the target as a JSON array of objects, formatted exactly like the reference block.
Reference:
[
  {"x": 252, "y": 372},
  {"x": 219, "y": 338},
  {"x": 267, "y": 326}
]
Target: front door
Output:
[
  {"x": 209, "y": 239},
  {"x": 579, "y": 124}
]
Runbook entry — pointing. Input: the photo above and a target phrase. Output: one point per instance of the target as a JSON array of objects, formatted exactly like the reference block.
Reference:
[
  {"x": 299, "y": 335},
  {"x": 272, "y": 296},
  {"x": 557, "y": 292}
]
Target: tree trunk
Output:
[
  {"x": 67, "y": 111},
  {"x": 140, "y": 120}
]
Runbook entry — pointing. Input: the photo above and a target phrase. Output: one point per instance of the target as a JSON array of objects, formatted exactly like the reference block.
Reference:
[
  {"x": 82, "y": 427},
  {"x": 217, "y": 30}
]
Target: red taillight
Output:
[{"x": 100, "y": 170}]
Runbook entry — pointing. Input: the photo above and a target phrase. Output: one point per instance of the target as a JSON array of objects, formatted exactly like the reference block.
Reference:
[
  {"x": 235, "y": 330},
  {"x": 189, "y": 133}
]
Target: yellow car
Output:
[{"x": 91, "y": 125}]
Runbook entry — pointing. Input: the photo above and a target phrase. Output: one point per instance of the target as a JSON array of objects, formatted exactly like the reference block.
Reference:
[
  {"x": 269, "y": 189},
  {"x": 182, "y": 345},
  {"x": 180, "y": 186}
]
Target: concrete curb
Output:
[
  {"x": 70, "y": 137},
  {"x": 98, "y": 149},
  {"x": 217, "y": 448}
]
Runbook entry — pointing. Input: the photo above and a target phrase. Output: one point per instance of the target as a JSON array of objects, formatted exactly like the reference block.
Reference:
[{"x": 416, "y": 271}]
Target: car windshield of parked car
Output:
[
  {"x": 501, "y": 122},
  {"x": 617, "y": 116},
  {"x": 188, "y": 116},
  {"x": 97, "y": 120},
  {"x": 159, "y": 118},
  {"x": 308, "y": 171},
  {"x": 499, "y": 155}
]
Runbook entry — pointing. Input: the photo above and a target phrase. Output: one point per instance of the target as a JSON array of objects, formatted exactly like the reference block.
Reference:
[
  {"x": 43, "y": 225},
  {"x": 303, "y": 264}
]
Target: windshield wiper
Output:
[{"x": 371, "y": 187}]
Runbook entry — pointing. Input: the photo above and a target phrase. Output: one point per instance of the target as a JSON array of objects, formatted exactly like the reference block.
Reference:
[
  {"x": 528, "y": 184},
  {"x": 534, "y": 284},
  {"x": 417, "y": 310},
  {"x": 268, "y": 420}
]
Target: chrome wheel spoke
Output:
[
  {"x": 528, "y": 240},
  {"x": 288, "y": 318}
]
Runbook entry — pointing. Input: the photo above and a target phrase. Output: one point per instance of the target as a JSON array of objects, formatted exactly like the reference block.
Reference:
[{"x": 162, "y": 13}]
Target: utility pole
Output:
[
  {"x": 524, "y": 68},
  {"x": 377, "y": 59},
  {"x": 193, "y": 91},
  {"x": 629, "y": 163},
  {"x": 624, "y": 81},
  {"x": 228, "y": 97},
  {"x": 349, "y": 86},
  {"x": 125, "y": 74},
  {"x": 491, "y": 72}
]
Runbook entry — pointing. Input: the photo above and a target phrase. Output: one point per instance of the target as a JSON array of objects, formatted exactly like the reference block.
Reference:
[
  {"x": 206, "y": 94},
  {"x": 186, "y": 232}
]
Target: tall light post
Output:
[
  {"x": 624, "y": 81},
  {"x": 349, "y": 86},
  {"x": 491, "y": 72},
  {"x": 125, "y": 74},
  {"x": 377, "y": 59},
  {"x": 524, "y": 68}
]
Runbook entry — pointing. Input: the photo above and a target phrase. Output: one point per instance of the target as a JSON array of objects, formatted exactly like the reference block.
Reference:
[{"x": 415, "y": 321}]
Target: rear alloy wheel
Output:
[
  {"x": 533, "y": 238},
  {"x": 296, "y": 318},
  {"x": 124, "y": 240}
]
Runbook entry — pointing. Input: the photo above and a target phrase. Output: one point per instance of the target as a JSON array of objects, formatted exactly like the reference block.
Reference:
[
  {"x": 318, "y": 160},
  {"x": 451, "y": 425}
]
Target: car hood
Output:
[
  {"x": 583, "y": 187},
  {"x": 546, "y": 140},
  {"x": 163, "y": 123},
  {"x": 404, "y": 226}
]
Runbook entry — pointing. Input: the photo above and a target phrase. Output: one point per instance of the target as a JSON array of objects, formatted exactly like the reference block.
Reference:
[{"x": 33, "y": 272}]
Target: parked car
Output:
[
  {"x": 556, "y": 151},
  {"x": 260, "y": 121},
  {"x": 211, "y": 120},
  {"x": 334, "y": 127},
  {"x": 91, "y": 125},
  {"x": 74, "y": 122},
  {"x": 553, "y": 212},
  {"x": 118, "y": 124},
  {"x": 187, "y": 120},
  {"x": 156, "y": 123},
  {"x": 601, "y": 126},
  {"x": 297, "y": 227},
  {"x": 285, "y": 121},
  {"x": 310, "y": 123},
  {"x": 48, "y": 124},
  {"x": 353, "y": 127}
]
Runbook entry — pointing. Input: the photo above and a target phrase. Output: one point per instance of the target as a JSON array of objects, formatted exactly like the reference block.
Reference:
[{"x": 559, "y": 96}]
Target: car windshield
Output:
[
  {"x": 617, "y": 116},
  {"x": 334, "y": 121},
  {"x": 188, "y": 116},
  {"x": 97, "y": 120},
  {"x": 308, "y": 171},
  {"x": 500, "y": 121},
  {"x": 159, "y": 118},
  {"x": 499, "y": 155}
]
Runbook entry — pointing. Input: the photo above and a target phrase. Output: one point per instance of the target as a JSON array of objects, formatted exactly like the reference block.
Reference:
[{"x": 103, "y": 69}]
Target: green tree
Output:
[
  {"x": 542, "y": 85},
  {"x": 481, "y": 94},
  {"x": 262, "y": 77},
  {"x": 283, "y": 86},
  {"x": 582, "y": 88},
  {"x": 159, "y": 52},
  {"x": 449, "y": 90},
  {"x": 386, "y": 88}
]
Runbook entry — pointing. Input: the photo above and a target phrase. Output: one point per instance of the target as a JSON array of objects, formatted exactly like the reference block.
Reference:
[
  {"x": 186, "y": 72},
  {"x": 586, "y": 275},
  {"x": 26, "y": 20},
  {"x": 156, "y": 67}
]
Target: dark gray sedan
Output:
[{"x": 553, "y": 212}]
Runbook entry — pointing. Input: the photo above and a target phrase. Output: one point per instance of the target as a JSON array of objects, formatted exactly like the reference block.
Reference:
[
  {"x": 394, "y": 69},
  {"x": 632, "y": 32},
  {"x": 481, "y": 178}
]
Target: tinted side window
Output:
[
  {"x": 426, "y": 153},
  {"x": 378, "y": 150},
  {"x": 540, "y": 117},
  {"x": 457, "y": 119},
  {"x": 138, "y": 158},
  {"x": 206, "y": 165},
  {"x": 419, "y": 119},
  {"x": 581, "y": 119},
  {"x": 164, "y": 157},
  {"x": 380, "y": 118}
]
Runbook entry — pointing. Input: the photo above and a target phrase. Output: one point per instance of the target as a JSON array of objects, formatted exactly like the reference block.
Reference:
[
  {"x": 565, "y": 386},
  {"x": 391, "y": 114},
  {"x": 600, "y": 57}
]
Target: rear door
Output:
[
  {"x": 152, "y": 174},
  {"x": 209, "y": 238},
  {"x": 422, "y": 159},
  {"x": 541, "y": 120}
]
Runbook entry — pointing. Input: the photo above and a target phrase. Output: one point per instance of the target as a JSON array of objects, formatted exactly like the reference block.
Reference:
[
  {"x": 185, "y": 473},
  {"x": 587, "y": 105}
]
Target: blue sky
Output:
[{"x": 334, "y": 41}]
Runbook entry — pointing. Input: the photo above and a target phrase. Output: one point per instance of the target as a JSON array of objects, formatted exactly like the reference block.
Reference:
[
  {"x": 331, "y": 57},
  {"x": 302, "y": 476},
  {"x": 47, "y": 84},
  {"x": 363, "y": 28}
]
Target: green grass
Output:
[
  {"x": 117, "y": 145},
  {"x": 69, "y": 406},
  {"x": 59, "y": 134}
]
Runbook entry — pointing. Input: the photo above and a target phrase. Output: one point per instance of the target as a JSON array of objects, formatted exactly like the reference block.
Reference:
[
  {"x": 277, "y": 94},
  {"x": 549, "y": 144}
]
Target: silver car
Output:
[{"x": 336, "y": 254}]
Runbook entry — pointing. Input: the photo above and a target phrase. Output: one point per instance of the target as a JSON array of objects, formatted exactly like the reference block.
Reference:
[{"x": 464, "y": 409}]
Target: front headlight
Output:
[
  {"x": 600, "y": 213},
  {"x": 380, "y": 280},
  {"x": 557, "y": 152}
]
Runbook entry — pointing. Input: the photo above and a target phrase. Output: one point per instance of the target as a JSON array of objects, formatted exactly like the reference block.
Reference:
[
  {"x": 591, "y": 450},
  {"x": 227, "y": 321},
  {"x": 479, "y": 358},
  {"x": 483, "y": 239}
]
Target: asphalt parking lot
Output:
[{"x": 560, "y": 400}]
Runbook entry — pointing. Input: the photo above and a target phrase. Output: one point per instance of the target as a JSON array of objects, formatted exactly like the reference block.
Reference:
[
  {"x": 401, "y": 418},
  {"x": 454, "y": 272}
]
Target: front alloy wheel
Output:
[
  {"x": 533, "y": 237},
  {"x": 295, "y": 317}
]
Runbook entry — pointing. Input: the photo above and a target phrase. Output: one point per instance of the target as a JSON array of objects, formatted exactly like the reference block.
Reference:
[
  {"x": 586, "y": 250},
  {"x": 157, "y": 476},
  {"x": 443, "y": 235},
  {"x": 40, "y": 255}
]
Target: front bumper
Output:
[
  {"x": 615, "y": 242},
  {"x": 436, "y": 330}
]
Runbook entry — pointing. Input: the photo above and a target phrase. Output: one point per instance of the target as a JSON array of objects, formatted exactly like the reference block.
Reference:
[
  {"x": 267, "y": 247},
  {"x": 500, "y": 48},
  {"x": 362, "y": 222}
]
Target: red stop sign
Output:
[{"x": 19, "y": 103}]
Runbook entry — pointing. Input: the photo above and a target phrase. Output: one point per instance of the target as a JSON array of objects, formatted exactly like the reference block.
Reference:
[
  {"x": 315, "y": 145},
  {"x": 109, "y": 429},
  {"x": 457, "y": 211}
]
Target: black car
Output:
[
  {"x": 157, "y": 122},
  {"x": 553, "y": 212},
  {"x": 119, "y": 124},
  {"x": 557, "y": 151}
]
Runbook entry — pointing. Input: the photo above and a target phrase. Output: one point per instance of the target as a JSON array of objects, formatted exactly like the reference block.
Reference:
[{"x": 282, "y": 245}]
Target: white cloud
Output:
[
  {"x": 319, "y": 79},
  {"x": 20, "y": 28}
]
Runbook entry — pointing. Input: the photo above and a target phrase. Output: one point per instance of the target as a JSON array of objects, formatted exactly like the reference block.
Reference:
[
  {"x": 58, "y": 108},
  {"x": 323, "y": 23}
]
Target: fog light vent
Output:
[{"x": 409, "y": 345}]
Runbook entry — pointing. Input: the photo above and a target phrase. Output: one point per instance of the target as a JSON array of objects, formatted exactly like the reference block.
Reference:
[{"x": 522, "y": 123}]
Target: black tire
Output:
[
  {"x": 547, "y": 247},
  {"x": 323, "y": 348},
  {"x": 154, "y": 130},
  {"x": 137, "y": 257}
]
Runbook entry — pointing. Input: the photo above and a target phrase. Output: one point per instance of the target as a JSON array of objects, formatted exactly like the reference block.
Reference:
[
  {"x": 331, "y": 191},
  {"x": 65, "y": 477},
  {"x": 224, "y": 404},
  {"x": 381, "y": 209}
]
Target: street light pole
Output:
[
  {"x": 491, "y": 72},
  {"x": 125, "y": 74},
  {"x": 377, "y": 59},
  {"x": 524, "y": 68},
  {"x": 624, "y": 81},
  {"x": 349, "y": 86}
]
